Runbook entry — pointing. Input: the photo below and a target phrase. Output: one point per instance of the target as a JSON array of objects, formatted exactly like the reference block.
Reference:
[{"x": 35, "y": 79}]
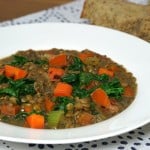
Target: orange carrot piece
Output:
[
  {"x": 49, "y": 105},
  {"x": 28, "y": 108},
  {"x": 100, "y": 97},
  {"x": 10, "y": 109},
  {"x": 128, "y": 92},
  {"x": 35, "y": 121},
  {"x": 55, "y": 73},
  {"x": 21, "y": 74},
  {"x": 105, "y": 71},
  {"x": 59, "y": 61},
  {"x": 113, "y": 68},
  {"x": 85, "y": 119},
  {"x": 14, "y": 72},
  {"x": 63, "y": 89},
  {"x": 83, "y": 56}
]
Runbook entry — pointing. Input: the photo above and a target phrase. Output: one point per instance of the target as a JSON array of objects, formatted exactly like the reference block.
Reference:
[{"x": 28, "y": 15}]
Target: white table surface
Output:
[{"x": 138, "y": 139}]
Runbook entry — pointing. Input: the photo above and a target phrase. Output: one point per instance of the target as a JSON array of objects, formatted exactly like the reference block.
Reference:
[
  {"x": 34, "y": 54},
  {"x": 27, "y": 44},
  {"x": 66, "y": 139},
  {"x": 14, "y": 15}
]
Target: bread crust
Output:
[{"x": 119, "y": 14}]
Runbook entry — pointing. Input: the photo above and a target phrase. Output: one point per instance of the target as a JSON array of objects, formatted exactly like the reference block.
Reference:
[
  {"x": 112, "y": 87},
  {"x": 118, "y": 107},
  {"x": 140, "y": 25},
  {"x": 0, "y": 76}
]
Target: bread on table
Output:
[{"x": 119, "y": 14}]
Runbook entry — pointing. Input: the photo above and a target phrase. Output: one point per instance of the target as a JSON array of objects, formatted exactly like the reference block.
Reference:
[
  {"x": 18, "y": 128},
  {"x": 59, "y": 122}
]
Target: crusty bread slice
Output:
[{"x": 119, "y": 14}]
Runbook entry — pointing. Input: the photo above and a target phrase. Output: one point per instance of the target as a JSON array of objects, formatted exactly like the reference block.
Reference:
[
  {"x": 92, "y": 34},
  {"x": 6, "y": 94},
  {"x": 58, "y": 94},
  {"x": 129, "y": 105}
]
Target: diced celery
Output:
[{"x": 54, "y": 118}]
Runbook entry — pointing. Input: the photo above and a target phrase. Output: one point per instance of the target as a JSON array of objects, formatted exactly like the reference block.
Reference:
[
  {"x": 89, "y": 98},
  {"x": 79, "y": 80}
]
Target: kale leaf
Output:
[
  {"x": 113, "y": 88},
  {"x": 86, "y": 77},
  {"x": 21, "y": 115},
  {"x": 19, "y": 60},
  {"x": 9, "y": 91},
  {"x": 61, "y": 103},
  {"x": 40, "y": 62},
  {"x": 93, "y": 108},
  {"x": 3, "y": 79},
  {"x": 81, "y": 93},
  {"x": 18, "y": 88},
  {"x": 77, "y": 65},
  {"x": 82, "y": 79},
  {"x": 70, "y": 78}
]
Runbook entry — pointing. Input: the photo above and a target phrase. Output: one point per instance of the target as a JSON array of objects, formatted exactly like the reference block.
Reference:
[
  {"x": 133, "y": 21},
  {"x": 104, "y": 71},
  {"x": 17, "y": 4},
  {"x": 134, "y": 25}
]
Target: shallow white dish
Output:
[{"x": 125, "y": 49}]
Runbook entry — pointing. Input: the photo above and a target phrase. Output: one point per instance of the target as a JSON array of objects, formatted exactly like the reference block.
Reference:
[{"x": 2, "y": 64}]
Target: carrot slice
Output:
[
  {"x": 28, "y": 107},
  {"x": 14, "y": 72},
  {"x": 113, "y": 68},
  {"x": 84, "y": 55},
  {"x": 85, "y": 119},
  {"x": 63, "y": 89},
  {"x": 35, "y": 121},
  {"x": 128, "y": 92},
  {"x": 105, "y": 71},
  {"x": 100, "y": 97},
  {"x": 10, "y": 109},
  {"x": 49, "y": 105},
  {"x": 59, "y": 60},
  {"x": 55, "y": 73}
]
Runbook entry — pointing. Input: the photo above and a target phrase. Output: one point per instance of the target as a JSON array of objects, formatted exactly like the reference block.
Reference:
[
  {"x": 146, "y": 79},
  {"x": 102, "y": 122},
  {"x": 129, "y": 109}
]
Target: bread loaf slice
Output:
[{"x": 119, "y": 14}]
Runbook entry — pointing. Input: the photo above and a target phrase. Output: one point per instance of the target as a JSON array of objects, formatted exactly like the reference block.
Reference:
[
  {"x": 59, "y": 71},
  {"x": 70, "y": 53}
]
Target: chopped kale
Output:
[
  {"x": 40, "y": 62},
  {"x": 9, "y": 91},
  {"x": 85, "y": 78},
  {"x": 82, "y": 79},
  {"x": 70, "y": 78},
  {"x": 3, "y": 79},
  {"x": 18, "y": 88},
  {"x": 21, "y": 115},
  {"x": 93, "y": 108},
  {"x": 81, "y": 93},
  {"x": 61, "y": 103},
  {"x": 113, "y": 88},
  {"x": 77, "y": 65},
  {"x": 19, "y": 60}
]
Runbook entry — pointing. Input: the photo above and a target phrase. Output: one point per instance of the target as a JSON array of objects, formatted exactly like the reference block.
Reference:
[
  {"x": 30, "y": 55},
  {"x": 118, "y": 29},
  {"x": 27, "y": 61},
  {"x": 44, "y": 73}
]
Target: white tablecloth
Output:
[{"x": 139, "y": 139}]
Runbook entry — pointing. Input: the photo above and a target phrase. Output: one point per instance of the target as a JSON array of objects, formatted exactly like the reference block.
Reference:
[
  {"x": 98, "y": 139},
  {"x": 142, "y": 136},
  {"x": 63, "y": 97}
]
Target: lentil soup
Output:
[{"x": 59, "y": 89}]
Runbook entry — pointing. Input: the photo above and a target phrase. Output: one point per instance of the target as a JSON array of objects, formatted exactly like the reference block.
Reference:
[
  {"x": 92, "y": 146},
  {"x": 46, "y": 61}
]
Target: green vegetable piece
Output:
[
  {"x": 77, "y": 65},
  {"x": 86, "y": 77},
  {"x": 69, "y": 78},
  {"x": 113, "y": 88},
  {"x": 18, "y": 88},
  {"x": 81, "y": 93},
  {"x": 61, "y": 103},
  {"x": 40, "y": 62},
  {"x": 3, "y": 79},
  {"x": 93, "y": 108},
  {"x": 9, "y": 91},
  {"x": 54, "y": 118},
  {"x": 21, "y": 116},
  {"x": 23, "y": 86},
  {"x": 19, "y": 60},
  {"x": 102, "y": 78}
]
